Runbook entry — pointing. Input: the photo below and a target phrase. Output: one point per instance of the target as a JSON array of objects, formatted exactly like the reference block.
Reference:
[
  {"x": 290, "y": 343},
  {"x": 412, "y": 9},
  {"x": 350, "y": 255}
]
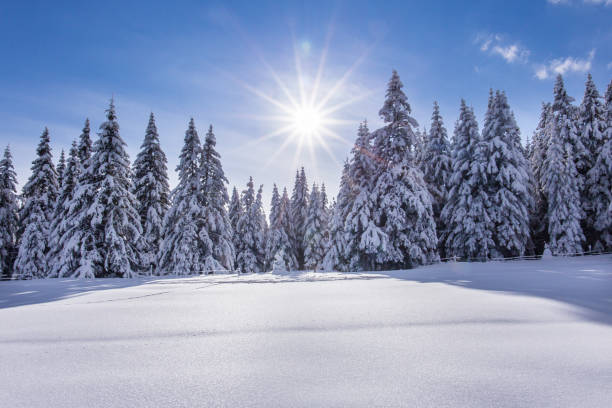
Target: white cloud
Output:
[
  {"x": 578, "y": 2},
  {"x": 606, "y": 2},
  {"x": 494, "y": 44},
  {"x": 564, "y": 65},
  {"x": 511, "y": 53},
  {"x": 609, "y": 66}
]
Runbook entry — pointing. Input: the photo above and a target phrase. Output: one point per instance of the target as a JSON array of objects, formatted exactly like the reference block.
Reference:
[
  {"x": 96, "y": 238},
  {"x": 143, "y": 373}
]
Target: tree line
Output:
[{"x": 407, "y": 197}]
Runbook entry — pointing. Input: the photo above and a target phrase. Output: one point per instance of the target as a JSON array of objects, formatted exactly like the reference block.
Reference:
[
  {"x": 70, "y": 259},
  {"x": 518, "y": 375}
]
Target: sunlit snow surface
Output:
[{"x": 528, "y": 333}]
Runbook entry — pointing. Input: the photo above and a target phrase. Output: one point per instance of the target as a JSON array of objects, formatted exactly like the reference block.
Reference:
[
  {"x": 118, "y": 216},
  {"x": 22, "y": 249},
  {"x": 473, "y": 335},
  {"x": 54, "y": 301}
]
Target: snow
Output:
[{"x": 522, "y": 333}]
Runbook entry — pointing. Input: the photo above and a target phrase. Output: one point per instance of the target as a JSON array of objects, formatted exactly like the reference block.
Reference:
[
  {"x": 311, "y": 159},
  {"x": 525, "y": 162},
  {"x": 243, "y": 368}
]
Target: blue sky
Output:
[{"x": 217, "y": 62}]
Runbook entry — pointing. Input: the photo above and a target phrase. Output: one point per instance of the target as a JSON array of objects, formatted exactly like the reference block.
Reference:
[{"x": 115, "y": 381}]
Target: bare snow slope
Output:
[{"x": 528, "y": 333}]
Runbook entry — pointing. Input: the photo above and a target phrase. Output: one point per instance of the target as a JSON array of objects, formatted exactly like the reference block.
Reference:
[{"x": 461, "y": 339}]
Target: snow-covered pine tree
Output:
[
  {"x": 85, "y": 146},
  {"x": 250, "y": 231},
  {"x": 419, "y": 146},
  {"x": 314, "y": 242},
  {"x": 274, "y": 211},
  {"x": 61, "y": 167},
  {"x": 436, "y": 166},
  {"x": 599, "y": 182},
  {"x": 507, "y": 175},
  {"x": 184, "y": 249},
  {"x": 77, "y": 239},
  {"x": 279, "y": 264},
  {"x": 151, "y": 189},
  {"x": 562, "y": 181},
  {"x": 218, "y": 226},
  {"x": 404, "y": 210},
  {"x": 326, "y": 210},
  {"x": 39, "y": 195},
  {"x": 591, "y": 129},
  {"x": 365, "y": 242},
  {"x": 468, "y": 228},
  {"x": 537, "y": 158},
  {"x": 58, "y": 259},
  {"x": 335, "y": 255},
  {"x": 299, "y": 211},
  {"x": 113, "y": 238},
  {"x": 278, "y": 238},
  {"x": 234, "y": 213},
  {"x": 9, "y": 213}
]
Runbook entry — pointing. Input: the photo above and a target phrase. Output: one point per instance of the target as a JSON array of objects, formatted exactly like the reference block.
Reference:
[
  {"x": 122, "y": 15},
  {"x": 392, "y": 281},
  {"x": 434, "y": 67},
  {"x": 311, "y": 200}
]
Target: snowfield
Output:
[{"x": 524, "y": 333}]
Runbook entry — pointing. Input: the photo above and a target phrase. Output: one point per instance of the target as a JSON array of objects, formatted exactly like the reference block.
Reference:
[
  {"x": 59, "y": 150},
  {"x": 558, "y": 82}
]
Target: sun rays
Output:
[{"x": 308, "y": 109}]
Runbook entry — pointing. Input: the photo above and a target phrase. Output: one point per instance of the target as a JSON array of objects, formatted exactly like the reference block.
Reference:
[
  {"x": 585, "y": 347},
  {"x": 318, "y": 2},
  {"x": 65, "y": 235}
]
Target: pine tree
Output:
[
  {"x": 599, "y": 182},
  {"x": 436, "y": 166},
  {"x": 114, "y": 240},
  {"x": 39, "y": 195},
  {"x": 314, "y": 231},
  {"x": 404, "y": 213},
  {"x": 591, "y": 128},
  {"x": 507, "y": 176},
  {"x": 278, "y": 239},
  {"x": 325, "y": 220},
  {"x": 279, "y": 264},
  {"x": 9, "y": 213},
  {"x": 151, "y": 189},
  {"x": 299, "y": 211},
  {"x": 335, "y": 256},
  {"x": 59, "y": 260},
  {"x": 562, "y": 180},
  {"x": 61, "y": 167},
  {"x": 234, "y": 213},
  {"x": 469, "y": 232},
  {"x": 365, "y": 242},
  {"x": 537, "y": 159},
  {"x": 250, "y": 230},
  {"x": 77, "y": 242},
  {"x": 215, "y": 200},
  {"x": 186, "y": 248},
  {"x": 85, "y": 147}
]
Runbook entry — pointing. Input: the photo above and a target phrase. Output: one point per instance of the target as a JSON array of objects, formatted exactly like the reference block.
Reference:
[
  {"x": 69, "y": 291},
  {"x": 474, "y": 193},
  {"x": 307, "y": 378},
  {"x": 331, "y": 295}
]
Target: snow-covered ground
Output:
[{"x": 526, "y": 333}]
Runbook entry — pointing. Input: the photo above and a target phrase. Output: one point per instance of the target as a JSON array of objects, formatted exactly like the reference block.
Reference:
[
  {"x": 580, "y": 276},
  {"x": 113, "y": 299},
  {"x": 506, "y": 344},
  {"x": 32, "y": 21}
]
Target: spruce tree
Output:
[
  {"x": 218, "y": 226},
  {"x": 39, "y": 195},
  {"x": 436, "y": 167},
  {"x": 325, "y": 220},
  {"x": 278, "y": 238},
  {"x": 562, "y": 181},
  {"x": 250, "y": 231},
  {"x": 314, "y": 242},
  {"x": 591, "y": 128},
  {"x": 114, "y": 243},
  {"x": 365, "y": 242},
  {"x": 404, "y": 212},
  {"x": 234, "y": 213},
  {"x": 537, "y": 159},
  {"x": 85, "y": 146},
  {"x": 469, "y": 233},
  {"x": 599, "y": 182},
  {"x": 299, "y": 211},
  {"x": 507, "y": 176},
  {"x": 59, "y": 261},
  {"x": 187, "y": 248},
  {"x": 9, "y": 213},
  {"x": 77, "y": 238},
  {"x": 151, "y": 189},
  {"x": 61, "y": 167},
  {"x": 336, "y": 252}
]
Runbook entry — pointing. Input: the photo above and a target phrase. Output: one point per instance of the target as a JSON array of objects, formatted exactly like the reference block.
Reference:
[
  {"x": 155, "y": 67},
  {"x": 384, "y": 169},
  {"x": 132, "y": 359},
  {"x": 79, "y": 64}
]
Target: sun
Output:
[
  {"x": 307, "y": 121},
  {"x": 308, "y": 107}
]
